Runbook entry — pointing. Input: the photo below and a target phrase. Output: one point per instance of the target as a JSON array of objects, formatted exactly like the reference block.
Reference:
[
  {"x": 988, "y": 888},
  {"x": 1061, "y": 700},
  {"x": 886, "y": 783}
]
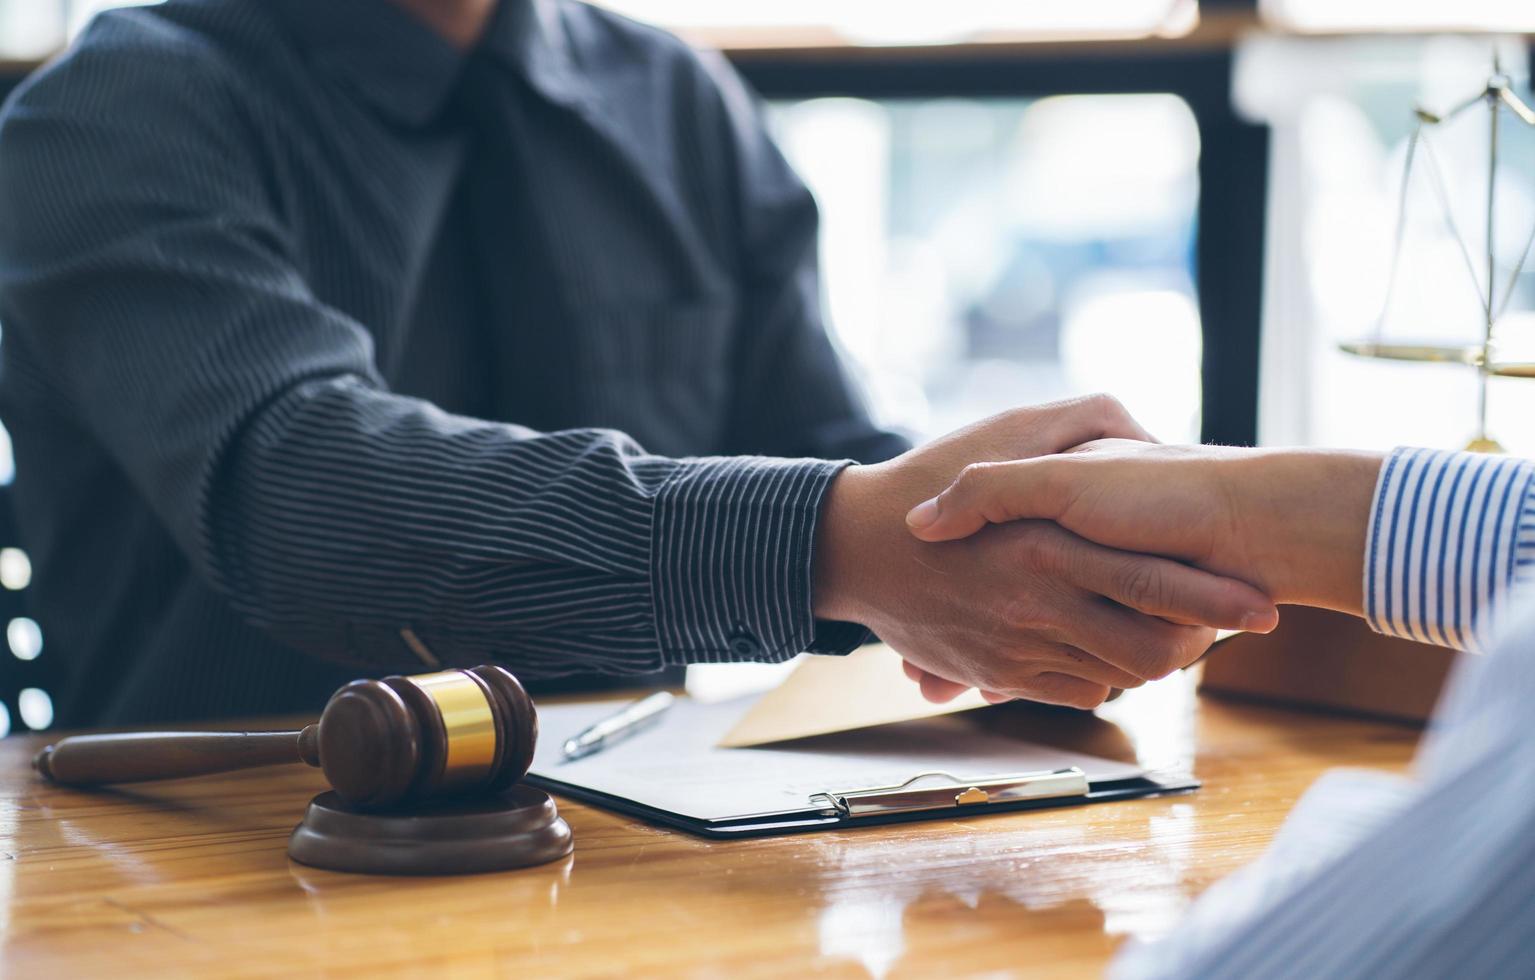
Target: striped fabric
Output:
[
  {"x": 1449, "y": 534},
  {"x": 1374, "y": 876},
  {"x": 332, "y": 350}
]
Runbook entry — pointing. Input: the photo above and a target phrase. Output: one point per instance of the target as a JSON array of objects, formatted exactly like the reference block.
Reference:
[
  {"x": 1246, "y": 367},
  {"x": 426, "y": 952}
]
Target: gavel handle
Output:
[{"x": 132, "y": 757}]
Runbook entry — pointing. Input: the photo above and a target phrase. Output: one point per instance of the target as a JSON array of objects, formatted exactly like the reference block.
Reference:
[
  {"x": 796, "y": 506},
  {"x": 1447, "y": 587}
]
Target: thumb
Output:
[{"x": 989, "y": 493}]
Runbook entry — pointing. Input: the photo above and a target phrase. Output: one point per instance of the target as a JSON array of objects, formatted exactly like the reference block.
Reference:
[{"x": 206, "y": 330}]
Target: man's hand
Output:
[
  {"x": 1029, "y": 610},
  {"x": 1292, "y": 522}
]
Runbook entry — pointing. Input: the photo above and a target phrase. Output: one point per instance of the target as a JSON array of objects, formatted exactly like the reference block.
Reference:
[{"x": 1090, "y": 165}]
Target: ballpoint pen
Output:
[{"x": 615, "y": 728}]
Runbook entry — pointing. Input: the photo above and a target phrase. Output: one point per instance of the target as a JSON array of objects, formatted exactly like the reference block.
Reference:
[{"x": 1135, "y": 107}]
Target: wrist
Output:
[
  {"x": 1303, "y": 515},
  {"x": 837, "y": 573}
]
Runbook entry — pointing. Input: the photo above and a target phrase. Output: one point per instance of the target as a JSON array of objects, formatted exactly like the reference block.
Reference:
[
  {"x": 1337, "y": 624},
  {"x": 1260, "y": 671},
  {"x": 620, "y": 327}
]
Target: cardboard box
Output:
[{"x": 1323, "y": 659}]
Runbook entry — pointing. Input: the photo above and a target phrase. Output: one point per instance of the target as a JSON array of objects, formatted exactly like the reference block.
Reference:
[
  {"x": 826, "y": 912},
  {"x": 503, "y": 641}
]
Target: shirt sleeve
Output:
[
  {"x": 1451, "y": 533},
  {"x": 1377, "y": 876},
  {"x": 147, "y": 276}
]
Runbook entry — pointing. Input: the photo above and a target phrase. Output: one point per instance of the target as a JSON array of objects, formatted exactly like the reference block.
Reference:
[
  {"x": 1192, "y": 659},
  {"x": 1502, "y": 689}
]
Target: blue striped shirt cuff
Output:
[
  {"x": 732, "y": 543},
  {"x": 1450, "y": 534}
]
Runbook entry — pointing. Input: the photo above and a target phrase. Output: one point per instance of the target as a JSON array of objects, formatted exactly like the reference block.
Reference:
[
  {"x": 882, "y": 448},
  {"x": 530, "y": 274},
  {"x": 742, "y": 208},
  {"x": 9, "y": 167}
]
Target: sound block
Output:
[{"x": 513, "y": 829}]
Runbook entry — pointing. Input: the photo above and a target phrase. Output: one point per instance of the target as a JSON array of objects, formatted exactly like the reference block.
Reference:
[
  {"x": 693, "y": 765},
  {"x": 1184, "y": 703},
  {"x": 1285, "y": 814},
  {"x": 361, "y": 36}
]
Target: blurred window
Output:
[{"x": 981, "y": 254}]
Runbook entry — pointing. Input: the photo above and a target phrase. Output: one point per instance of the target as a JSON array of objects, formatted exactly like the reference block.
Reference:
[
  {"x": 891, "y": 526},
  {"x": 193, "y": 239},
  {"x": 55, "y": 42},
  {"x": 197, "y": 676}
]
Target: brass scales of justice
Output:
[{"x": 1495, "y": 98}]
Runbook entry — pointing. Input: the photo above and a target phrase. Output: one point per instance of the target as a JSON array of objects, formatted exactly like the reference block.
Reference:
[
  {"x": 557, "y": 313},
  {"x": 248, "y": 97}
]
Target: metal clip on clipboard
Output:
[{"x": 955, "y": 793}]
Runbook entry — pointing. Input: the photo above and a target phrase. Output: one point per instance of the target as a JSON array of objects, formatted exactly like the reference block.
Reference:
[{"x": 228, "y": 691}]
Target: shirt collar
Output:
[
  {"x": 528, "y": 37},
  {"x": 406, "y": 71}
]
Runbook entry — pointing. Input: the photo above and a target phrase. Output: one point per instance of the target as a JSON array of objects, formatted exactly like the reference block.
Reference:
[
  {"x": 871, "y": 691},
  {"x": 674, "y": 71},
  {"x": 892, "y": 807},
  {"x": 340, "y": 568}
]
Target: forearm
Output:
[
  {"x": 1423, "y": 544},
  {"x": 1301, "y": 517},
  {"x": 350, "y": 512}
]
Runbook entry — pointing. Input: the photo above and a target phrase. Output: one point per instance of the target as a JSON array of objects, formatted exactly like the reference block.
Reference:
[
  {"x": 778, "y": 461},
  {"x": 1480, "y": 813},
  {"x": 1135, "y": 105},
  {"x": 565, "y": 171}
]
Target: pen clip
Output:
[{"x": 953, "y": 792}]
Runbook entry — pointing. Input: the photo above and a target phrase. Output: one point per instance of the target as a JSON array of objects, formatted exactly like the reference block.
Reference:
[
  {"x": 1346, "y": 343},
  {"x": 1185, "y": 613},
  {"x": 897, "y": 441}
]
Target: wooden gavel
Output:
[{"x": 379, "y": 742}]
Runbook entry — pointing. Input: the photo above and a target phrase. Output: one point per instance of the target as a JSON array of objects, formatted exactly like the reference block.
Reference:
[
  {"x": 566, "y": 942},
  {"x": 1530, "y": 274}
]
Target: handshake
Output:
[{"x": 1054, "y": 553}]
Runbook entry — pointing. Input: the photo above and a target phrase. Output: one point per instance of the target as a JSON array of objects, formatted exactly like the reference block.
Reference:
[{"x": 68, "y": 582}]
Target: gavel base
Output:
[{"x": 516, "y": 829}]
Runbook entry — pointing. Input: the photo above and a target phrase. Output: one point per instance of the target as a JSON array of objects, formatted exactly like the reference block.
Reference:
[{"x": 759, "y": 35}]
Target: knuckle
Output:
[
  {"x": 1006, "y": 672},
  {"x": 1046, "y": 549},
  {"x": 1094, "y": 696},
  {"x": 1148, "y": 657},
  {"x": 1108, "y": 406},
  {"x": 1161, "y": 660},
  {"x": 1055, "y": 623},
  {"x": 1099, "y": 671},
  {"x": 1024, "y": 615},
  {"x": 1036, "y": 689},
  {"x": 972, "y": 477},
  {"x": 1067, "y": 691},
  {"x": 1145, "y": 666},
  {"x": 1142, "y": 586},
  {"x": 1028, "y": 649},
  {"x": 1195, "y": 643}
]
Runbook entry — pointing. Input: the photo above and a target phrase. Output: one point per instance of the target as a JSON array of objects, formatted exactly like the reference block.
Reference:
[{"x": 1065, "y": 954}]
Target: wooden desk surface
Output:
[{"x": 192, "y": 876}]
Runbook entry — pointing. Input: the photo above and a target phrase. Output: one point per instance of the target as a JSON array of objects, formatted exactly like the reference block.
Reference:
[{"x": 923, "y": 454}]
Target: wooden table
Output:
[{"x": 192, "y": 877}]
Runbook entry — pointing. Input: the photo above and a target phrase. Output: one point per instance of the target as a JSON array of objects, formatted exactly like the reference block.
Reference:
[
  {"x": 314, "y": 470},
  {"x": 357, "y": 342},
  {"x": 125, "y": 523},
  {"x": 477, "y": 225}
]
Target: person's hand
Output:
[
  {"x": 1291, "y": 522},
  {"x": 939, "y": 691},
  {"x": 1025, "y": 611}
]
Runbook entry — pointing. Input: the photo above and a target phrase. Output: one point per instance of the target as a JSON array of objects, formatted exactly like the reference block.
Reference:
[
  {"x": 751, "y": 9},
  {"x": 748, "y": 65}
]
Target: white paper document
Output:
[
  {"x": 676, "y": 767},
  {"x": 838, "y": 694}
]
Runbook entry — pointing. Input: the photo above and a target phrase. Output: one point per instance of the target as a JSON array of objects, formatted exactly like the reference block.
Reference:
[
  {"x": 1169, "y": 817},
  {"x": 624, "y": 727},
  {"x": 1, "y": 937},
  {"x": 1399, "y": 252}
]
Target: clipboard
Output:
[{"x": 934, "y": 768}]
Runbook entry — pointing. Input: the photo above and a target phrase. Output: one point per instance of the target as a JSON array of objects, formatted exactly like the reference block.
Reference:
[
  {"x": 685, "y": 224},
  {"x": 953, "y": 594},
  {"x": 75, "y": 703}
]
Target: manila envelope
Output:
[{"x": 838, "y": 694}]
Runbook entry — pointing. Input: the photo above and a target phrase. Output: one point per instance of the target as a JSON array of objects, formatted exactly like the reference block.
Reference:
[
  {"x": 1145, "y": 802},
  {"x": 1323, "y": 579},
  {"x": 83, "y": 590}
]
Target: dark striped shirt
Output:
[{"x": 329, "y": 349}]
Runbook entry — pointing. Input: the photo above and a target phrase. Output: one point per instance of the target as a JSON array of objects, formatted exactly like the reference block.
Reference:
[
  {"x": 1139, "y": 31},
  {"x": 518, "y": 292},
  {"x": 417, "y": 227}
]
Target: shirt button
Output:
[{"x": 745, "y": 646}]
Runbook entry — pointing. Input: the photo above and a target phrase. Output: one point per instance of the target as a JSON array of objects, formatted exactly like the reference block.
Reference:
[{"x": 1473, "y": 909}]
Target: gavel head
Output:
[{"x": 408, "y": 739}]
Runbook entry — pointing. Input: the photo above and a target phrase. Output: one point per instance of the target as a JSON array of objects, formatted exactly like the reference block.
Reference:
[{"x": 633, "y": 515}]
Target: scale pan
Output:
[
  {"x": 1512, "y": 369},
  {"x": 1467, "y": 354}
]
